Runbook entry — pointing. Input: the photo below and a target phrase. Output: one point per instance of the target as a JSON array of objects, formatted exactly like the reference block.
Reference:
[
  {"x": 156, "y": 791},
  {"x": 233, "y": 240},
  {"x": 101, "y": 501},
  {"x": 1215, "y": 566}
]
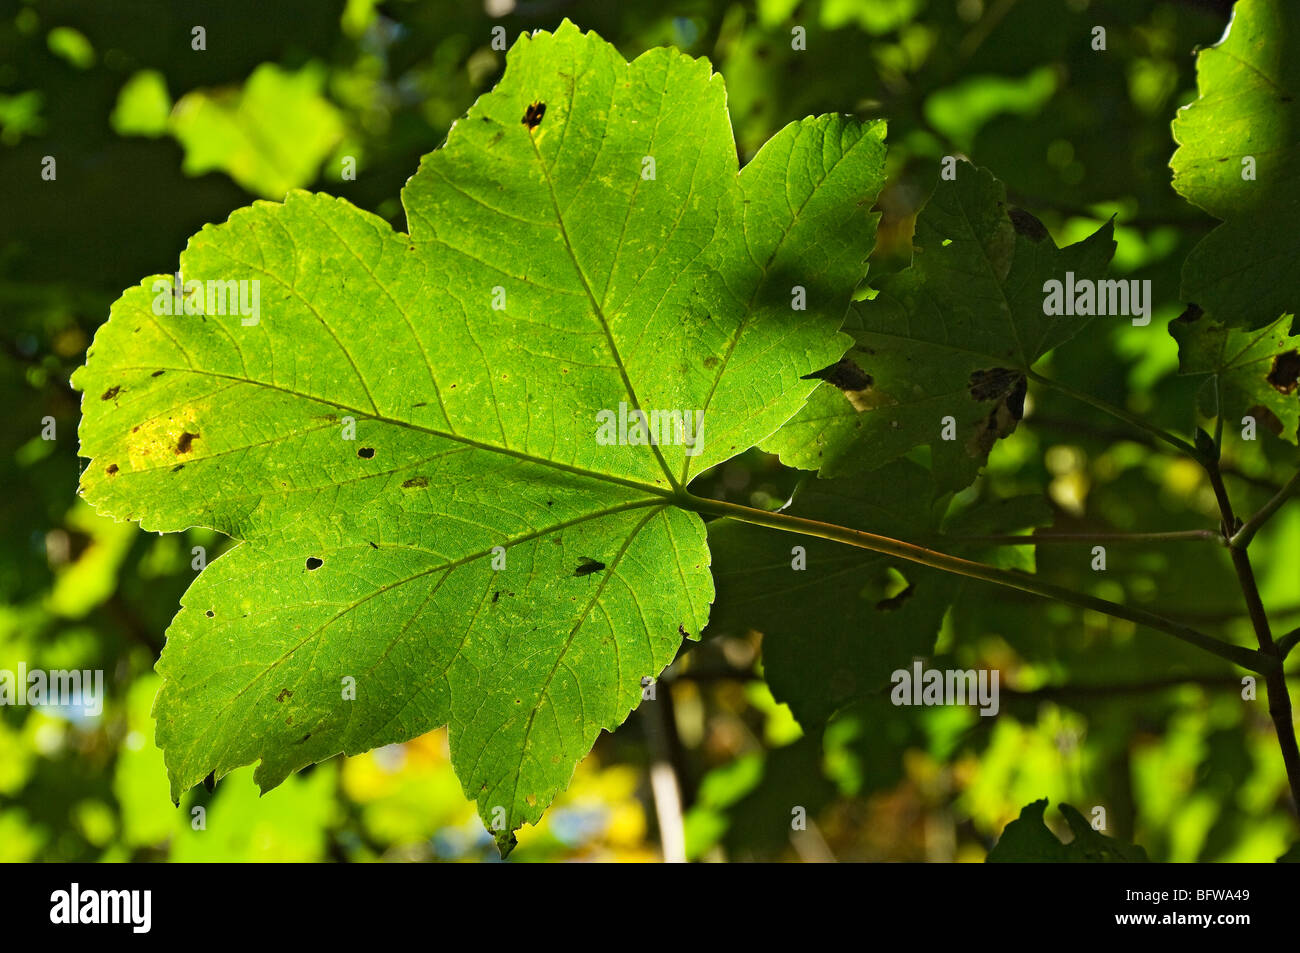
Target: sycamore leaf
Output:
[
  {"x": 1029, "y": 840},
  {"x": 479, "y": 555},
  {"x": 951, "y": 336},
  {"x": 1257, "y": 371},
  {"x": 837, "y": 621},
  {"x": 1238, "y": 158}
]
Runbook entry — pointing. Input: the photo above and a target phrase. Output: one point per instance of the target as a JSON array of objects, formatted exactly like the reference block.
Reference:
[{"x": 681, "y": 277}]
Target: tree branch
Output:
[{"x": 1279, "y": 699}]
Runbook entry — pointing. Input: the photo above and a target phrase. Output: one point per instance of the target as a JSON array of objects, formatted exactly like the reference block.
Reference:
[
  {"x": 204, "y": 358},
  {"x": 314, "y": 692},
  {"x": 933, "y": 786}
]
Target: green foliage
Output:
[
  {"x": 1029, "y": 840},
  {"x": 270, "y": 136},
  {"x": 952, "y": 336},
  {"x": 1238, "y": 158},
  {"x": 838, "y": 621},
  {"x": 1255, "y": 372},
  {"x": 477, "y": 439},
  {"x": 1095, "y": 710}
]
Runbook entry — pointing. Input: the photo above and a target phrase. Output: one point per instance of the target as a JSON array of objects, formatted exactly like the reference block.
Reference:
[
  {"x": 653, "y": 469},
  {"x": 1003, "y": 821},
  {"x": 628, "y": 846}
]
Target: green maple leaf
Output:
[
  {"x": 953, "y": 335},
  {"x": 476, "y": 557},
  {"x": 1238, "y": 158},
  {"x": 837, "y": 621},
  {"x": 1029, "y": 840},
  {"x": 1253, "y": 372}
]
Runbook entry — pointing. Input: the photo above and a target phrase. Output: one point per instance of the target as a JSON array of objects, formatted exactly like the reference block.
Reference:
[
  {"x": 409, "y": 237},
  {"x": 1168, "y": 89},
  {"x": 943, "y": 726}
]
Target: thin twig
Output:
[
  {"x": 1248, "y": 529},
  {"x": 1249, "y": 659}
]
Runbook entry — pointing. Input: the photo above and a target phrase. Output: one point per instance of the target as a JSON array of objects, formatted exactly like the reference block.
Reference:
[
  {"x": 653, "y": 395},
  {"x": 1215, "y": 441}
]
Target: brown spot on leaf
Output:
[
  {"x": 365, "y": 453},
  {"x": 1008, "y": 388},
  {"x": 178, "y": 467},
  {"x": 533, "y": 115},
  {"x": 111, "y": 469},
  {"x": 210, "y": 614},
  {"x": 851, "y": 379},
  {"x": 284, "y": 693},
  {"x": 1027, "y": 225},
  {"x": 314, "y": 563},
  {"x": 157, "y": 373},
  {"x": 184, "y": 443},
  {"x": 1283, "y": 374},
  {"x": 111, "y": 392},
  {"x": 415, "y": 481}
]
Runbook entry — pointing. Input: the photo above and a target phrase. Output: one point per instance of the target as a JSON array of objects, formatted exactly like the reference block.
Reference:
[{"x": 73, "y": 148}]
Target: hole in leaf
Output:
[
  {"x": 366, "y": 452},
  {"x": 313, "y": 563},
  {"x": 1285, "y": 371}
]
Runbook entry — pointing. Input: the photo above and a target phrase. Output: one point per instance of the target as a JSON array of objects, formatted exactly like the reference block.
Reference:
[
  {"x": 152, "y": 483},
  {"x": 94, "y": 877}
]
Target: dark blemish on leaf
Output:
[
  {"x": 1224, "y": 159},
  {"x": 496, "y": 595},
  {"x": 178, "y": 467},
  {"x": 896, "y": 602},
  {"x": 588, "y": 566},
  {"x": 1008, "y": 388},
  {"x": 1284, "y": 373},
  {"x": 210, "y": 614},
  {"x": 313, "y": 563},
  {"x": 844, "y": 374},
  {"x": 550, "y": 502},
  {"x": 533, "y": 115},
  {"x": 373, "y": 546},
  {"x": 183, "y": 444},
  {"x": 365, "y": 453},
  {"x": 416, "y": 481},
  {"x": 851, "y": 379},
  {"x": 111, "y": 392},
  {"x": 284, "y": 693},
  {"x": 157, "y": 373},
  {"x": 135, "y": 428},
  {"x": 711, "y": 362},
  {"x": 111, "y": 469},
  {"x": 991, "y": 384},
  {"x": 1266, "y": 417},
  {"x": 681, "y": 630},
  {"x": 1027, "y": 225},
  {"x": 304, "y": 737},
  {"x": 420, "y": 404}
]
